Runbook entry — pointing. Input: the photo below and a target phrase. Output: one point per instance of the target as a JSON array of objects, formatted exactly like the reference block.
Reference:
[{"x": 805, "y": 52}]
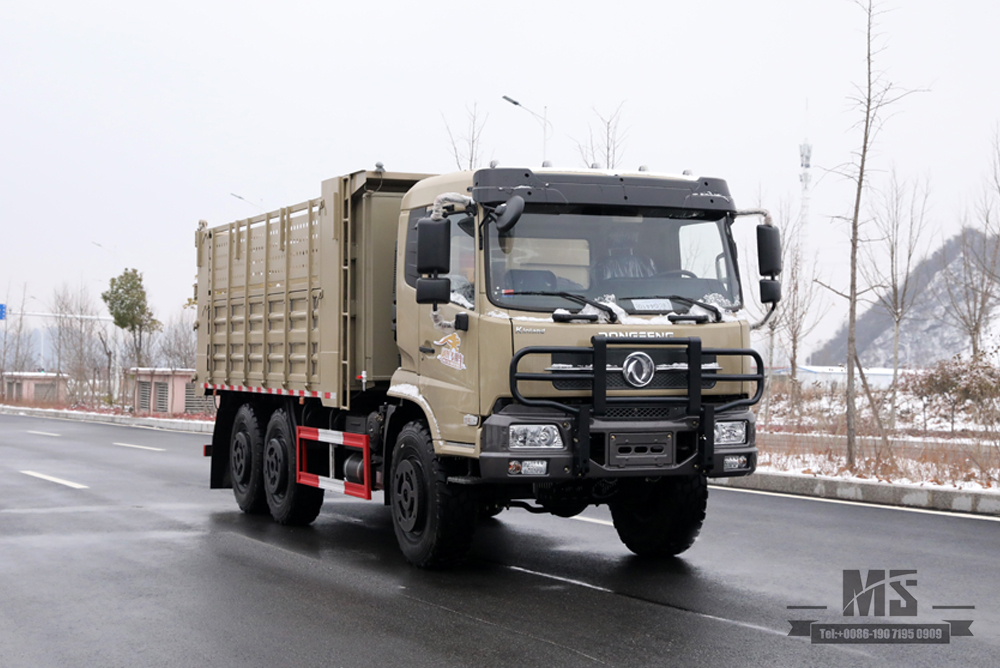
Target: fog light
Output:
[
  {"x": 734, "y": 462},
  {"x": 513, "y": 468},
  {"x": 731, "y": 433},
  {"x": 534, "y": 436},
  {"x": 534, "y": 467}
]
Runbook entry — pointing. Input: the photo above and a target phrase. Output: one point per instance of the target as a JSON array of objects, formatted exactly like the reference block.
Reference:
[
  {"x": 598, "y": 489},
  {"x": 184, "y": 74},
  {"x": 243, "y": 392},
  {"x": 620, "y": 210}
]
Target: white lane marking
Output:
[
  {"x": 579, "y": 583},
  {"x": 43, "y": 433},
  {"x": 140, "y": 447},
  {"x": 594, "y": 520},
  {"x": 74, "y": 485},
  {"x": 861, "y": 504},
  {"x": 561, "y": 579}
]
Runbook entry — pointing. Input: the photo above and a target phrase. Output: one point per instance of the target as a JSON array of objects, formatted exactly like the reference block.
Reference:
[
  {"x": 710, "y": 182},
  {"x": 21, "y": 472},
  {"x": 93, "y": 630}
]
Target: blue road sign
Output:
[{"x": 3, "y": 311}]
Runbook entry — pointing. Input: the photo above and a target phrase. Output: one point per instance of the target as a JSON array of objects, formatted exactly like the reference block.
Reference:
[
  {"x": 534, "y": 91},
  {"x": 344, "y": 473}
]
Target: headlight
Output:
[
  {"x": 731, "y": 433},
  {"x": 534, "y": 436}
]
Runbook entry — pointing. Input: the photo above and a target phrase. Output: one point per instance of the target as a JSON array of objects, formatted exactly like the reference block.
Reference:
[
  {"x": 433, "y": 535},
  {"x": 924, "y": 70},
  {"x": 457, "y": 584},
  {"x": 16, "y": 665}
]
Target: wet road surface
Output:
[{"x": 114, "y": 552}]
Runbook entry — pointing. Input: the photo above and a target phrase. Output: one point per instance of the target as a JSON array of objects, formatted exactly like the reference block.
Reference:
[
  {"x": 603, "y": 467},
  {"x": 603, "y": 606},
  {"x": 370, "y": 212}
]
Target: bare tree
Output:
[
  {"x": 871, "y": 100},
  {"x": 109, "y": 347},
  {"x": 77, "y": 344},
  {"x": 467, "y": 149},
  {"x": 971, "y": 288},
  {"x": 991, "y": 217},
  {"x": 178, "y": 345},
  {"x": 900, "y": 216},
  {"x": 799, "y": 313},
  {"x": 605, "y": 147}
]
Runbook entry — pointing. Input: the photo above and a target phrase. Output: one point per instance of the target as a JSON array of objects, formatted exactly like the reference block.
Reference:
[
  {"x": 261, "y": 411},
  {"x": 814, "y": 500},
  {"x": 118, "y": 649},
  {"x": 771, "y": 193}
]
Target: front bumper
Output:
[{"x": 612, "y": 448}]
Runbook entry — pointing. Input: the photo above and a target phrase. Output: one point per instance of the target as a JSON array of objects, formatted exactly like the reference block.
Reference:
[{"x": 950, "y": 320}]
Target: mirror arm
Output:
[
  {"x": 757, "y": 212},
  {"x": 437, "y": 210},
  {"x": 489, "y": 215},
  {"x": 767, "y": 316}
]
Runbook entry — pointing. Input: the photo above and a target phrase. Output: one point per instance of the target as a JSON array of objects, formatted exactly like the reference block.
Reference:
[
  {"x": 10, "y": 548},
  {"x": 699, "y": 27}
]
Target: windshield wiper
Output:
[
  {"x": 579, "y": 299},
  {"x": 685, "y": 300}
]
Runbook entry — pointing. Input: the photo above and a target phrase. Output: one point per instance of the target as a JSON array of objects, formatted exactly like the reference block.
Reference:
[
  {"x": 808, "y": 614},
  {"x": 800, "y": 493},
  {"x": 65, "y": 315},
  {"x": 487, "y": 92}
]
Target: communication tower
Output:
[{"x": 805, "y": 155}]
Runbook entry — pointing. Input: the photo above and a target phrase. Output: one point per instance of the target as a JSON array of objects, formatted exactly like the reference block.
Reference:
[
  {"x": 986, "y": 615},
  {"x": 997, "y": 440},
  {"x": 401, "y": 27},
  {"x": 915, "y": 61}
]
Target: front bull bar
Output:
[{"x": 695, "y": 407}]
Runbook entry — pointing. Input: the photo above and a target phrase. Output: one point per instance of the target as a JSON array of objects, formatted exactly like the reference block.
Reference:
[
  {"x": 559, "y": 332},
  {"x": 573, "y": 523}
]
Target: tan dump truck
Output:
[{"x": 472, "y": 342}]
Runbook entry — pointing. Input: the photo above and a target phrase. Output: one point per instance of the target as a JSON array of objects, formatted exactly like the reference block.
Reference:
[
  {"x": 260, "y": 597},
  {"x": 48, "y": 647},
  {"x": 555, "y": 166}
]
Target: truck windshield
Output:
[{"x": 648, "y": 261}]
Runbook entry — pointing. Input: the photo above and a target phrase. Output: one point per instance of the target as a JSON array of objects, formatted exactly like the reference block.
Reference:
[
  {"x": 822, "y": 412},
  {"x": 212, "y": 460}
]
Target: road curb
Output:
[
  {"x": 910, "y": 496},
  {"x": 191, "y": 426}
]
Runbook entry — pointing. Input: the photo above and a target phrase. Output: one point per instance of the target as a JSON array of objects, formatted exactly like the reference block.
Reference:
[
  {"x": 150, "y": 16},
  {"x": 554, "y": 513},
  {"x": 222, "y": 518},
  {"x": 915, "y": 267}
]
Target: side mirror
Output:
[
  {"x": 770, "y": 291},
  {"x": 769, "y": 250},
  {"x": 509, "y": 213},
  {"x": 433, "y": 291},
  {"x": 433, "y": 246}
]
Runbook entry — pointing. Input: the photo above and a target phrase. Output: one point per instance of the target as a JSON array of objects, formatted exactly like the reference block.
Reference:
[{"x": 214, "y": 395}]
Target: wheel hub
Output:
[
  {"x": 407, "y": 491},
  {"x": 275, "y": 468},
  {"x": 240, "y": 458}
]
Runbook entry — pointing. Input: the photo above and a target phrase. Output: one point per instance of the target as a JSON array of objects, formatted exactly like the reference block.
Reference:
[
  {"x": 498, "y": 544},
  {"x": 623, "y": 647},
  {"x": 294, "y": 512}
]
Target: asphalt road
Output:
[{"x": 143, "y": 565}]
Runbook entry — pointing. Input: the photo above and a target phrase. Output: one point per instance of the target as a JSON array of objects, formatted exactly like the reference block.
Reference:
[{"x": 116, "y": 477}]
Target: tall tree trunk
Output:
[
  {"x": 796, "y": 395},
  {"x": 767, "y": 376},
  {"x": 895, "y": 373},
  {"x": 852, "y": 317}
]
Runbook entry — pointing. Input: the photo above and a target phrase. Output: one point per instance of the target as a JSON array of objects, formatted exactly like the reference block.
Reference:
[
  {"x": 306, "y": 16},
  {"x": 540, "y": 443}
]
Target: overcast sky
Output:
[{"x": 124, "y": 123}]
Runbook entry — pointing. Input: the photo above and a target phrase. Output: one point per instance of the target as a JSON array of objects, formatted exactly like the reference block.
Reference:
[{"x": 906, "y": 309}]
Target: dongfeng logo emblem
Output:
[{"x": 638, "y": 369}]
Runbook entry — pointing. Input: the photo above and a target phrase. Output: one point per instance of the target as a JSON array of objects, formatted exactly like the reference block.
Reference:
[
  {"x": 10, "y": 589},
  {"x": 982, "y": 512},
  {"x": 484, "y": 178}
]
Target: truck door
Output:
[{"x": 449, "y": 359}]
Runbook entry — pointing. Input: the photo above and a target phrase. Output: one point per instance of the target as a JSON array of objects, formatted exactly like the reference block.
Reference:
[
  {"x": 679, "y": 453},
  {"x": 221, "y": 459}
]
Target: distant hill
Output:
[{"x": 926, "y": 335}]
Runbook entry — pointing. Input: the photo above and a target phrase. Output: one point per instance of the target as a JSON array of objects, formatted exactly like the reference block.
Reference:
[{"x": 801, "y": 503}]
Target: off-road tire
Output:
[
  {"x": 660, "y": 517},
  {"x": 290, "y": 503},
  {"x": 246, "y": 448},
  {"x": 434, "y": 521}
]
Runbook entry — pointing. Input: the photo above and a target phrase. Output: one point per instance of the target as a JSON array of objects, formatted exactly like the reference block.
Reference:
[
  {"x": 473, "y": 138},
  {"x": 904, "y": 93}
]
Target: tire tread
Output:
[
  {"x": 456, "y": 515},
  {"x": 253, "y": 500},
  {"x": 665, "y": 518}
]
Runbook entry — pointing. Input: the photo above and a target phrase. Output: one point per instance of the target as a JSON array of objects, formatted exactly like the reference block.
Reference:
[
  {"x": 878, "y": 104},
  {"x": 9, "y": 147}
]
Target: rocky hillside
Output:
[{"x": 927, "y": 335}]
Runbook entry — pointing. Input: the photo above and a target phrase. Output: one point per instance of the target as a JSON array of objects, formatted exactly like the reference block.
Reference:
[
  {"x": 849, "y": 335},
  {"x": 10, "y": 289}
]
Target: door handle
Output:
[{"x": 427, "y": 350}]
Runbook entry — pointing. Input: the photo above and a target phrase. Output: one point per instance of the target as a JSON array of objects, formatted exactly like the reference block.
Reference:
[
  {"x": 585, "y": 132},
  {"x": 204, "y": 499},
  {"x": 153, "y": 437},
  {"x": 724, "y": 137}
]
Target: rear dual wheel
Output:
[{"x": 289, "y": 502}]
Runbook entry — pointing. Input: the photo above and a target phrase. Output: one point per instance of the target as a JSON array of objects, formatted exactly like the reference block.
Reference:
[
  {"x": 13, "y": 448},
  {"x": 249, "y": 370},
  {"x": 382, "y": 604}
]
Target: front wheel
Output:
[
  {"x": 290, "y": 502},
  {"x": 433, "y": 520},
  {"x": 662, "y": 516}
]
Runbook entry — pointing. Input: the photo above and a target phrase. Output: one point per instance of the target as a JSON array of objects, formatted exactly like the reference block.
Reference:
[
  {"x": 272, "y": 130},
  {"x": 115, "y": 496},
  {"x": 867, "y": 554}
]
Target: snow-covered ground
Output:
[
  {"x": 906, "y": 471},
  {"x": 937, "y": 440}
]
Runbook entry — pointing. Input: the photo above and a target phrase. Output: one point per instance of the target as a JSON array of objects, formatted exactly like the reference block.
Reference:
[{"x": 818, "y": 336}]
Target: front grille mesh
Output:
[
  {"x": 638, "y": 412},
  {"x": 663, "y": 380}
]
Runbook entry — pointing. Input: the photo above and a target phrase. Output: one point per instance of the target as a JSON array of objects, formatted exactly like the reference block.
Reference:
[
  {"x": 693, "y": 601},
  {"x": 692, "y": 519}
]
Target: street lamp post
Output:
[{"x": 543, "y": 121}]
